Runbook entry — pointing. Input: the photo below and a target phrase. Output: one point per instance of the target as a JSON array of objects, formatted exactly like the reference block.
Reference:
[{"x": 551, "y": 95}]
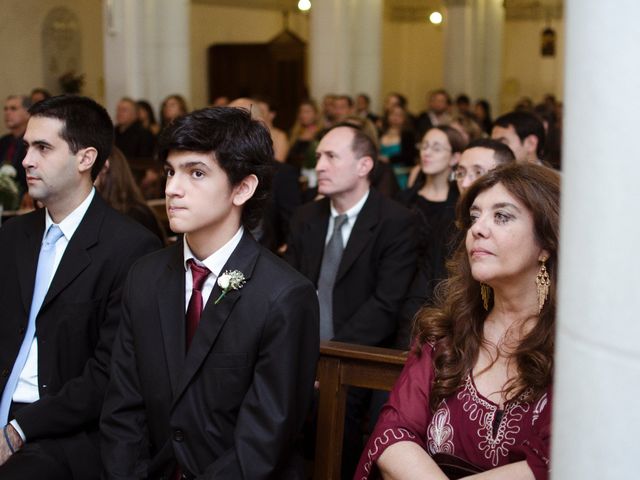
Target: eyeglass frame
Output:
[
  {"x": 436, "y": 147},
  {"x": 458, "y": 173}
]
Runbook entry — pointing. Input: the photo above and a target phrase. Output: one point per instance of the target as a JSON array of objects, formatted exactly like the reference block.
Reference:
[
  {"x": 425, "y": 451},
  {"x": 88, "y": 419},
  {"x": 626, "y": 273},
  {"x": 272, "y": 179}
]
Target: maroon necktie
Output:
[
  {"x": 199, "y": 275},
  {"x": 194, "y": 310}
]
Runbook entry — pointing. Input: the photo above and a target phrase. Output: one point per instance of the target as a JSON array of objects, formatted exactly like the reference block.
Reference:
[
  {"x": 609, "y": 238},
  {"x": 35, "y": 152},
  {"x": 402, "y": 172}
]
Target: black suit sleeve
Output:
[
  {"x": 277, "y": 402},
  {"x": 76, "y": 406},
  {"x": 123, "y": 423},
  {"x": 375, "y": 320},
  {"x": 294, "y": 239}
]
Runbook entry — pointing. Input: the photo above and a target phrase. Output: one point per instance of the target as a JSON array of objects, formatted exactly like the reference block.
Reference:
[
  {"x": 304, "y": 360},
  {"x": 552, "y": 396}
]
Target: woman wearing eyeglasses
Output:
[{"x": 433, "y": 196}]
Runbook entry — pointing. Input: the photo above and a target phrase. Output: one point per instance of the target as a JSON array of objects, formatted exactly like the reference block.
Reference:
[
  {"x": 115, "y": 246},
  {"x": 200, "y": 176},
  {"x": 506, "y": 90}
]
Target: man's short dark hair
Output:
[
  {"x": 85, "y": 124},
  {"x": 441, "y": 91},
  {"x": 42, "y": 91},
  {"x": 501, "y": 152},
  {"x": 525, "y": 124},
  {"x": 345, "y": 97},
  {"x": 463, "y": 99},
  {"x": 366, "y": 98},
  {"x": 362, "y": 145},
  {"x": 240, "y": 145},
  {"x": 24, "y": 100}
]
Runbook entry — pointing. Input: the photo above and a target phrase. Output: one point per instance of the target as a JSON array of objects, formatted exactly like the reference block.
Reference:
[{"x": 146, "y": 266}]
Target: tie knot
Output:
[
  {"x": 53, "y": 235},
  {"x": 198, "y": 273},
  {"x": 339, "y": 222}
]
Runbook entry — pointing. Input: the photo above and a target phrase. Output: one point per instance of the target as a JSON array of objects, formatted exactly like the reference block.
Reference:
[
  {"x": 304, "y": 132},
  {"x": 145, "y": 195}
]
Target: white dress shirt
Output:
[
  {"x": 347, "y": 227},
  {"x": 27, "y": 388}
]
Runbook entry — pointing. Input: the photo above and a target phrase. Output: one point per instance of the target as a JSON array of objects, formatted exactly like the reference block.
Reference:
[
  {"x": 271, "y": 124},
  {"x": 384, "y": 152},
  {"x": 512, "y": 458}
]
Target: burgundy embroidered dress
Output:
[{"x": 465, "y": 425}]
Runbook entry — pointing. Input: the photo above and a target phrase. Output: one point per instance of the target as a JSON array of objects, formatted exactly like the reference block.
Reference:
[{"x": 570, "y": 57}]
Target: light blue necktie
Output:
[{"x": 44, "y": 274}]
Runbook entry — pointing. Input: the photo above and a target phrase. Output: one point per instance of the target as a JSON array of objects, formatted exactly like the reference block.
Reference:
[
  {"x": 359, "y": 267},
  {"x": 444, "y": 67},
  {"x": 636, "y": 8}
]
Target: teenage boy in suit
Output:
[{"x": 221, "y": 391}]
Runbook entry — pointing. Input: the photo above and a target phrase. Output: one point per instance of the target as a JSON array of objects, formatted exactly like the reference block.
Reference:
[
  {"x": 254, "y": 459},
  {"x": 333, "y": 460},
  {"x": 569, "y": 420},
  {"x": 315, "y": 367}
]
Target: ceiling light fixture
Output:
[
  {"x": 304, "y": 5},
  {"x": 435, "y": 17}
]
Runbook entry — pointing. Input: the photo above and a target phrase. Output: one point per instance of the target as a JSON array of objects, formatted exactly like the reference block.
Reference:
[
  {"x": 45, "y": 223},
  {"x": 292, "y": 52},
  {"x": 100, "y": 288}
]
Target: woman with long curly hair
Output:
[{"x": 475, "y": 394}]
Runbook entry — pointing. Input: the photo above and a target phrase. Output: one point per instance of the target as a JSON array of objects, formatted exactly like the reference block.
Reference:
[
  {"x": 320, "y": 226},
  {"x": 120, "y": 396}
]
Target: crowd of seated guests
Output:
[
  {"x": 437, "y": 179},
  {"x": 425, "y": 162}
]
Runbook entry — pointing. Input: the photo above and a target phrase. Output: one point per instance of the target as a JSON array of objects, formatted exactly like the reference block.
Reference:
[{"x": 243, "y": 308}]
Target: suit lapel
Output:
[
  {"x": 76, "y": 256},
  {"x": 214, "y": 316},
  {"x": 361, "y": 234},
  {"x": 172, "y": 313},
  {"x": 28, "y": 251}
]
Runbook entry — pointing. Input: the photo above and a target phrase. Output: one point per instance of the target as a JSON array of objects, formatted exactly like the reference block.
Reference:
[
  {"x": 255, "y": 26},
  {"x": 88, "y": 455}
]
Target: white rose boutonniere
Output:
[
  {"x": 9, "y": 191},
  {"x": 230, "y": 280}
]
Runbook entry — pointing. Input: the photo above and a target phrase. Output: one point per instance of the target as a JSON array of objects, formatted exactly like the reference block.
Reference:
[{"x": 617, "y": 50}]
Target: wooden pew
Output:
[{"x": 342, "y": 365}]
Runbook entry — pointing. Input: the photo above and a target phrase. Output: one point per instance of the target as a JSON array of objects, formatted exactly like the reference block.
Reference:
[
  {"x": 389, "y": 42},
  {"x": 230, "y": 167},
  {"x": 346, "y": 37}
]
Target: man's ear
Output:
[
  {"x": 365, "y": 165},
  {"x": 86, "y": 158},
  {"x": 243, "y": 191},
  {"x": 531, "y": 144}
]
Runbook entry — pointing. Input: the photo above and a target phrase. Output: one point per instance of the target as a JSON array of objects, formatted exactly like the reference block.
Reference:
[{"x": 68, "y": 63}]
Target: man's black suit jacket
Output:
[
  {"x": 76, "y": 324},
  {"x": 376, "y": 268},
  {"x": 232, "y": 406}
]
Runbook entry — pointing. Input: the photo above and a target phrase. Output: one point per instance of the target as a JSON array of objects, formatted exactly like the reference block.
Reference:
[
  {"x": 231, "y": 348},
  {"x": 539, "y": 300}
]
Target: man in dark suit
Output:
[
  {"x": 61, "y": 274},
  {"x": 358, "y": 247},
  {"x": 379, "y": 255},
  {"x": 221, "y": 392}
]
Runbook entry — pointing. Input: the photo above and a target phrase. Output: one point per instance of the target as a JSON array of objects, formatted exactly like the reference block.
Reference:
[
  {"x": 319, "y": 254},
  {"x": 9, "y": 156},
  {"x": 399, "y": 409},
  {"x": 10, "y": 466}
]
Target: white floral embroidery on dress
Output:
[
  {"x": 440, "y": 431},
  {"x": 484, "y": 413},
  {"x": 537, "y": 410},
  {"x": 384, "y": 439}
]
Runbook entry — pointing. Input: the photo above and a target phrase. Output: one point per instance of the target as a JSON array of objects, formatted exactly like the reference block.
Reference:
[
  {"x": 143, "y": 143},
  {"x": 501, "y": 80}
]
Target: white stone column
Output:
[
  {"x": 345, "y": 47},
  {"x": 458, "y": 46},
  {"x": 490, "y": 54},
  {"x": 146, "y": 52},
  {"x": 366, "y": 51},
  {"x": 597, "y": 385},
  {"x": 473, "y": 48},
  {"x": 329, "y": 48}
]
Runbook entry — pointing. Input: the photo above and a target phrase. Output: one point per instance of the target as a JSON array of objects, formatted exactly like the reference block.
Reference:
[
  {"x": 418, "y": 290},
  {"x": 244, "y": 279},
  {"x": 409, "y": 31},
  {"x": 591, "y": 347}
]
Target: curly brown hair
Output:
[{"x": 455, "y": 323}]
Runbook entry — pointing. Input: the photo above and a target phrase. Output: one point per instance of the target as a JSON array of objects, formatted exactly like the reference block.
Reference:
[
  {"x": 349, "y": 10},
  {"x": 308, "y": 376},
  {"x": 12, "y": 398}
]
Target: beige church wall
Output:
[
  {"x": 21, "y": 45},
  {"x": 525, "y": 71},
  {"x": 219, "y": 24},
  {"x": 412, "y": 60}
]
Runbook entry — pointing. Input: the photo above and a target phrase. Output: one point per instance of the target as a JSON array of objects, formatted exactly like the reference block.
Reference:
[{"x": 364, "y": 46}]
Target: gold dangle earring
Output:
[
  {"x": 485, "y": 293},
  {"x": 543, "y": 282}
]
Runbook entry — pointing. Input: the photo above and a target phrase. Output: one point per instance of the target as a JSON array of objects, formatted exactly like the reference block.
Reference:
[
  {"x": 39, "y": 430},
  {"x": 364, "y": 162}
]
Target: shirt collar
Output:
[
  {"x": 216, "y": 261},
  {"x": 72, "y": 221},
  {"x": 353, "y": 212}
]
